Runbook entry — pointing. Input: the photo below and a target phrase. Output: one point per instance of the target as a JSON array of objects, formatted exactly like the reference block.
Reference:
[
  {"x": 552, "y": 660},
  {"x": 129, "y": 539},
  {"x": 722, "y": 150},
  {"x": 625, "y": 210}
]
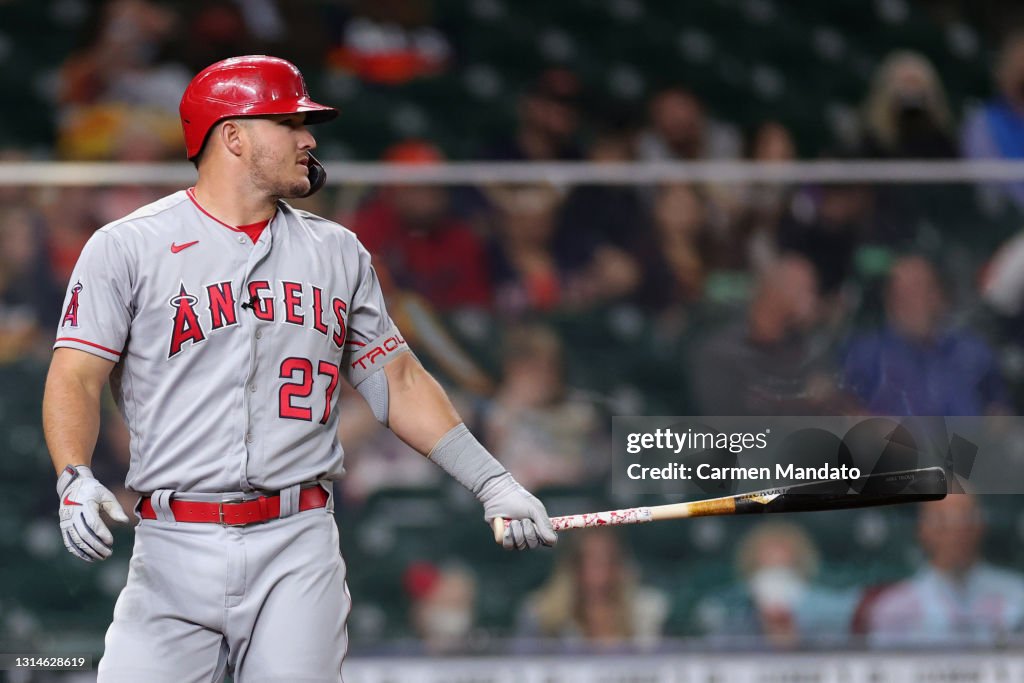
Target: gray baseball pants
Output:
[{"x": 267, "y": 602}]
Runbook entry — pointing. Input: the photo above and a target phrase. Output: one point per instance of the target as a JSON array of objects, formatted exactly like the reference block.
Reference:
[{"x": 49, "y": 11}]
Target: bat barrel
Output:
[{"x": 885, "y": 488}]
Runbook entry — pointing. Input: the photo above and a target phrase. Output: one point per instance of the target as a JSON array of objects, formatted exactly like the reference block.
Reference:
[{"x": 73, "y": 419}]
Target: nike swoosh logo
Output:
[
  {"x": 175, "y": 248},
  {"x": 68, "y": 501}
]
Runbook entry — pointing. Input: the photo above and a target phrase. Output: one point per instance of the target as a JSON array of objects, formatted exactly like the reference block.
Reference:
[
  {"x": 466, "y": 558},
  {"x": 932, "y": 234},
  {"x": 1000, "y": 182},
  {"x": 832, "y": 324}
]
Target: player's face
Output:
[{"x": 279, "y": 154}]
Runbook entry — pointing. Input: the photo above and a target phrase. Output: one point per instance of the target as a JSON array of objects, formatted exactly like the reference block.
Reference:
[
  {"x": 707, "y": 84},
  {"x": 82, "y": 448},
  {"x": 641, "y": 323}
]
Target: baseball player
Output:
[{"x": 224, "y": 320}]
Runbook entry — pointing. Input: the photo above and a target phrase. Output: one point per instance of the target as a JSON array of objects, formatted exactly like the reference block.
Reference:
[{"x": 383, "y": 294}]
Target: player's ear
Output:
[{"x": 231, "y": 134}]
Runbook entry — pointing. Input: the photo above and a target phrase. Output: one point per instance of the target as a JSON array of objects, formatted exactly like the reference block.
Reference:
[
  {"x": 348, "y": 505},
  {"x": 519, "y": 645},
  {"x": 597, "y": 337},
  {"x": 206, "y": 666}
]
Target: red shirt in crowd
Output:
[{"x": 446, "y": 265}]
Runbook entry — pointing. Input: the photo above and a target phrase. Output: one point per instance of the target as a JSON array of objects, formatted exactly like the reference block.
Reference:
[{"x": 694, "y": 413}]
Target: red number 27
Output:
[{"x": 300, "y": 371}]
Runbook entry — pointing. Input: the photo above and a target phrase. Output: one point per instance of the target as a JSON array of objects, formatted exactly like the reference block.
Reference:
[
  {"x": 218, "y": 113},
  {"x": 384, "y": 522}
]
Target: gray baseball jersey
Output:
[{"x": 228, "y": 353}]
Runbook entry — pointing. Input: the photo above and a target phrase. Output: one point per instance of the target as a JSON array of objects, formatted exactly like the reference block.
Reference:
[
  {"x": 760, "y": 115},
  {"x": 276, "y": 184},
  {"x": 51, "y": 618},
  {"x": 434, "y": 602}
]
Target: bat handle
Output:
[{"x": 498, "y": 524}]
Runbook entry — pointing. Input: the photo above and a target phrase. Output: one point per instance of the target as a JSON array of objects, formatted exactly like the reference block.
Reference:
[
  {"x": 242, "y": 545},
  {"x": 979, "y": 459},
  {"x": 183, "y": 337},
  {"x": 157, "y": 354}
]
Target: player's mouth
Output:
[{"x": 304, "y": 161}]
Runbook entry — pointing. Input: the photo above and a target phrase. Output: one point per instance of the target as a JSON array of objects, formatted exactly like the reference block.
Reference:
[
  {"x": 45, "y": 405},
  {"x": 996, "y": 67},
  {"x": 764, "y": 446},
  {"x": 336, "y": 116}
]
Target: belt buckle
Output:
[{"x": 220, "y": 512}]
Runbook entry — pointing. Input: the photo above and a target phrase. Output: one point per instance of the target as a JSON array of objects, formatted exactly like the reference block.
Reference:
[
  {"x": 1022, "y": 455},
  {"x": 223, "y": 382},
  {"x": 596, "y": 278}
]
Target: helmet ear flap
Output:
[{"x": 317, "y": 175}]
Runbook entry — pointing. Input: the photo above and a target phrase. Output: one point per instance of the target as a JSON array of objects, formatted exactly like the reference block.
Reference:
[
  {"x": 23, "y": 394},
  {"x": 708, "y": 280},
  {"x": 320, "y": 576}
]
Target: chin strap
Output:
[{"x": 317, "y": 175}]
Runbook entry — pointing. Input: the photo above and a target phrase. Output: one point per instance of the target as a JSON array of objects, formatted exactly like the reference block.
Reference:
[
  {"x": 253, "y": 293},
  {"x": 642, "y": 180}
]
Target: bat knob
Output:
[{"x": 498, "y": 524}]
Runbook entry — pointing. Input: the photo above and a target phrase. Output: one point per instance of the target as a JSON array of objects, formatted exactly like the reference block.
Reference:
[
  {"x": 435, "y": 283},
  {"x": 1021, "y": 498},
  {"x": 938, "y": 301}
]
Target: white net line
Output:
[{"x": 27, "y": 174}]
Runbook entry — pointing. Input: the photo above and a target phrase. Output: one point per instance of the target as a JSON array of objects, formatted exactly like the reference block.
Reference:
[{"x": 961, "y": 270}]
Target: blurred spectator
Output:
[
  {"x": 778, "y": 360},
  {"x": 772, "y": 141},
  {"x": 29, "y": 298},
  {"x": 141, "y": 56},
  {"x": 995, "y": 130},
  {"x": 528, "y": 273},
  {"x": 14, "y": 195},
  {"x": 826, "y": 225},
  {"x": 906, "y": 115},
  {"x": 121, "y": 78},
  {"x": 535, "y": 426},
  {"x": 681, "y": 129},
  {"x": 121, "y": 63},
  {"x": 390, "y": 42},
  {"x": 956, "y": 599},
  {"x": 134, "y": 142},
  {"x": 100, "y": 132},
  {"x": 917, "y": 364},
  {"x": 442, "y": 606},
  {"x": 594, "y": 598},
  {"x": 1002, "y": 281},
  {"x": 71, "y": 218},
  {"x": 762, "y": 205},
  {"x": 1002, "y": 289},
  {"x": 537, "y": 268},
  {"x": 673, "y": 260},
  {"x": 548, "y": 121},
  {"x": 412, "y": 230},
  {"x": 423, "y": 328},
  {"x": 606, "y": 214},
  {"x": 777, "y": 602},
  {"x": 374, "y": 457}
]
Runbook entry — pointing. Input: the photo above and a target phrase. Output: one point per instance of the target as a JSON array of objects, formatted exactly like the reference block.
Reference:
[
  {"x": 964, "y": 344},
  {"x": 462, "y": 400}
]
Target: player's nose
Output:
[{"x": 306, "y": 139}]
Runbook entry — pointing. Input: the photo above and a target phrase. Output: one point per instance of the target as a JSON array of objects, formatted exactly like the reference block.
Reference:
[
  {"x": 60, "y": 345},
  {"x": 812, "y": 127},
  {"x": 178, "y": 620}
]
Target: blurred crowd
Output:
[
  {"x": 751, "y": 299},
  {"x": 779, "y": 597}
]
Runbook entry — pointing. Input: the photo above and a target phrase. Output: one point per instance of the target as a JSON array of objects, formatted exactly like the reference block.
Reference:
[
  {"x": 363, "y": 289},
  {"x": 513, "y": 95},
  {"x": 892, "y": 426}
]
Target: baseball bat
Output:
[{"x": 886, "y": 488}]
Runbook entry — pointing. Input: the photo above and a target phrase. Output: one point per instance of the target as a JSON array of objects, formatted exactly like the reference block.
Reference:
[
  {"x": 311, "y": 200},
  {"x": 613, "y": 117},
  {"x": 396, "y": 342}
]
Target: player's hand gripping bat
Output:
[{"x": 908, "y": 486}]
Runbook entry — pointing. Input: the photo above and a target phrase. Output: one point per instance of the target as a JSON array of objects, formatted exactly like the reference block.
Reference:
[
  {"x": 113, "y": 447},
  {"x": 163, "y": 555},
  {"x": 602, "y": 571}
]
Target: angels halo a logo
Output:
[{"x": 71, "y": 312}]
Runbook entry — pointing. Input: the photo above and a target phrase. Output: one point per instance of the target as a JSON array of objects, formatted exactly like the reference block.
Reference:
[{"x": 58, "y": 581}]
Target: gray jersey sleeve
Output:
[
  {"x": 372, "y": 339},
  {"x": 97, "y": 306}
]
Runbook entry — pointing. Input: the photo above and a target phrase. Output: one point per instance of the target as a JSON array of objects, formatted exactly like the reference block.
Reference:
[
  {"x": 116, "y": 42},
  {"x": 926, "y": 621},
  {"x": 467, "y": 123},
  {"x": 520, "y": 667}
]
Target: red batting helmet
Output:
[{"x": 254, "y": 85}]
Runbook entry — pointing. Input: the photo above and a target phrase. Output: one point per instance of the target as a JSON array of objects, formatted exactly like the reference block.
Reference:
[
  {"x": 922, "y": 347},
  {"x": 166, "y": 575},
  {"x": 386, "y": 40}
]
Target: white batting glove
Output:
[
  {"x": 81, "y": 499},
  {"x": 528, "y": 524}
]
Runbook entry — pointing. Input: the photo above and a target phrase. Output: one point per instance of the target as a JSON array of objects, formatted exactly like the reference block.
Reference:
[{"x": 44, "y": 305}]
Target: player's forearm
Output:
[
  {"x": 420, "y": 412},
  {"x": 71, "y": 418}
]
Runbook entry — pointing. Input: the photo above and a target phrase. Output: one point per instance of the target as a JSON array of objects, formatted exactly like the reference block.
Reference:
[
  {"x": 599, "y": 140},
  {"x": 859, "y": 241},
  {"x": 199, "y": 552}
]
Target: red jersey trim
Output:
[
  {"x": 89, "y": 343},
  {"x": 254, "y": 230},
  {"x": 245, "y": 228}
]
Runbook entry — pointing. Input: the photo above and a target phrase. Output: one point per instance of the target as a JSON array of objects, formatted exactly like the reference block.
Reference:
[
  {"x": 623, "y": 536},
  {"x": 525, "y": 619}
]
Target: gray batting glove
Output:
[
  {"x": 528, "y": 525},
  {"x": 81, "y": 499}
]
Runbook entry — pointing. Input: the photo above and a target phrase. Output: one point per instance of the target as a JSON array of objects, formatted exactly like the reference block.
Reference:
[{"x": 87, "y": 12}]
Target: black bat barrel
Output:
[{"x": 884, "y": 488}]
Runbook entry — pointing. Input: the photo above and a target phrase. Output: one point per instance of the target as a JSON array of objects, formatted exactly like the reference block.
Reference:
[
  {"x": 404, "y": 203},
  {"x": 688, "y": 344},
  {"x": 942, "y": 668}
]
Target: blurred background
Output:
[{"x": 547, "y": 302}]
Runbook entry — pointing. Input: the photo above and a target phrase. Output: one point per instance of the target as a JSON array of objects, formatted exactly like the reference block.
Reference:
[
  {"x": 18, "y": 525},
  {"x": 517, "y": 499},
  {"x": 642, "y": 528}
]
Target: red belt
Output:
[{"x": 262, "y": 509}]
